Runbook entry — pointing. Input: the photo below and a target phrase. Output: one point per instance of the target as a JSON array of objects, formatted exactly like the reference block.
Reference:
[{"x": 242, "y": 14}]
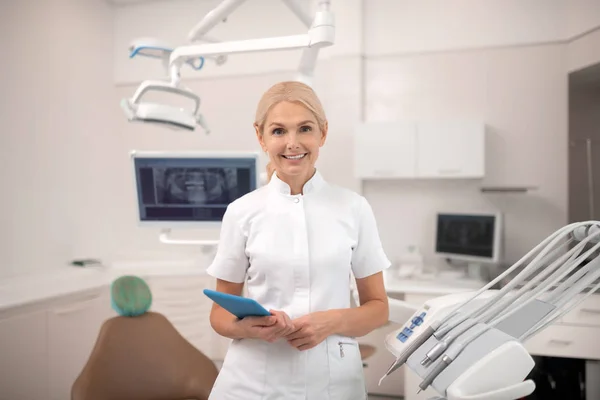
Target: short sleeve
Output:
[
  {"x": 368, "y": 256},
  {"x": 230, "y": 262}
]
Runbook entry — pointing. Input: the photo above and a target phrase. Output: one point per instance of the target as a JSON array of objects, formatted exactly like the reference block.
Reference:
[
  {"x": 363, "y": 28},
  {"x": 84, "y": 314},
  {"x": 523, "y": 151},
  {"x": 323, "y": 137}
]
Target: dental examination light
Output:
[
  {"x": 321, "y": 33},
  {"x": 469, "y": 346}
]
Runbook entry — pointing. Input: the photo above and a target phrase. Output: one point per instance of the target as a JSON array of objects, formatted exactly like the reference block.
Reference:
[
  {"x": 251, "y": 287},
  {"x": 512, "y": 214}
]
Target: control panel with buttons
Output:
[{"x": 408, "y": 330}]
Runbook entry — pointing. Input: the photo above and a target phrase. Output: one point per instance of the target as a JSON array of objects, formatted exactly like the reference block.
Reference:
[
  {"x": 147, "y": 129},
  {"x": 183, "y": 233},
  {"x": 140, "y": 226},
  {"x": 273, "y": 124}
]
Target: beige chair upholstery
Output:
[{"x": 144, "y": 358}]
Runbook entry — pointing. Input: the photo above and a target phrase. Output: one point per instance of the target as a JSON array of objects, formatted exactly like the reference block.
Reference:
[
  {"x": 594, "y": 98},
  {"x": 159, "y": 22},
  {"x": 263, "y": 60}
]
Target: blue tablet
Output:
[{"x": 237, "y": 305}]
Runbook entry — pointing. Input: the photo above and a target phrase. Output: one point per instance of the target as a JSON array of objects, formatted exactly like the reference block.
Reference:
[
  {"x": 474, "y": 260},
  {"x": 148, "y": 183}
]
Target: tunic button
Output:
[{"x": 296, "y": 200}]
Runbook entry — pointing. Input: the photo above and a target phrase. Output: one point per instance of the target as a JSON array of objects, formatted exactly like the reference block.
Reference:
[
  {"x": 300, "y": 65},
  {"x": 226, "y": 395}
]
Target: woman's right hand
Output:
[{"x": 270, "y": 328}]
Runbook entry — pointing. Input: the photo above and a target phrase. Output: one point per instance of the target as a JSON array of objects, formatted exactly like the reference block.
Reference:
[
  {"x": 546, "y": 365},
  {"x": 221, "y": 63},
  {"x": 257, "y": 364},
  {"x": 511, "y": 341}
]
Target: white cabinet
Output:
[
  {"x": 385, "y": 150},
  {"x": 44, "y": 346},
  {"x": 420, "y": 150},
  {"x": 450, "y": 149},
  {"x": 73, "y": 327},
  {"x": 23, "y": 355}
]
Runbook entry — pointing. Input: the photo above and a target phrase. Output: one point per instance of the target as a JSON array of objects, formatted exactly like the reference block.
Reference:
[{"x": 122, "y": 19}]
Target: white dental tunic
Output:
[{"x": 296, "y": 253}]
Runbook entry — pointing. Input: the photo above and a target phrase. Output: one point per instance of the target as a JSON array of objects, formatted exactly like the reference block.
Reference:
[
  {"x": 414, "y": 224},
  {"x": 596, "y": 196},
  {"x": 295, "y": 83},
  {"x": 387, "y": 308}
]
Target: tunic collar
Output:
[{"x": 313, "y": 184}]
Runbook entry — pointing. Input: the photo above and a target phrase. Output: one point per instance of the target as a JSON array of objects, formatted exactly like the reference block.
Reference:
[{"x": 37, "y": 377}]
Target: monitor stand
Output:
[
  {"x": 207, "y": 246},
  {"x": 474, "y": 271},
  {"x": 465, "y": 270}
]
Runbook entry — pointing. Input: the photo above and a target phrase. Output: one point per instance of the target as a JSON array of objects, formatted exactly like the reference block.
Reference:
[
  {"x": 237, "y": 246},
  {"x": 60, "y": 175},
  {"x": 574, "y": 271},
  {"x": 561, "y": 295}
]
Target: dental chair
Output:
[{"x": 144, "y": 358}]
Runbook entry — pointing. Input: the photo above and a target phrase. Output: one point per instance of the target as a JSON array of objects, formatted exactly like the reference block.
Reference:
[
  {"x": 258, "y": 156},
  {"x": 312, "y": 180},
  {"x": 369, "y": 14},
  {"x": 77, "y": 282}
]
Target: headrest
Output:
[{"x": 130, "y": 296}]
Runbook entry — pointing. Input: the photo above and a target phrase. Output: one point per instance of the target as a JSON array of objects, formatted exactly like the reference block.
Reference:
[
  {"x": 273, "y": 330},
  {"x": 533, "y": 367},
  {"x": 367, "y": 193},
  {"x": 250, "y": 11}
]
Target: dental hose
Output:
[{"x": 456, "y": 350}]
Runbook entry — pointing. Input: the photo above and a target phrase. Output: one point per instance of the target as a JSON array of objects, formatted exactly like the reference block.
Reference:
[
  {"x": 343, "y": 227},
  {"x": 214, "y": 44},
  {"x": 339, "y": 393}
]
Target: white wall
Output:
[
  {"x": 57, "y": 129},
  {"x": 583, "y": 16},
  {"x": 504, "y": 61},
  {"x": 406, "y": 26},
  {"x": 520, "y": 92}
]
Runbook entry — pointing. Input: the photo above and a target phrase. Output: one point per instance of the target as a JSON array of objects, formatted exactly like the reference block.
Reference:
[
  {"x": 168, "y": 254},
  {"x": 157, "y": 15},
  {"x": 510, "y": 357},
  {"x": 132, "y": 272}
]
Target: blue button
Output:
[
  {"x": 407, "y": 331},
  {"x": 403, "y": 338},
  {"x": 413, "y": 326},
  {"x": 419, "y": 320}
]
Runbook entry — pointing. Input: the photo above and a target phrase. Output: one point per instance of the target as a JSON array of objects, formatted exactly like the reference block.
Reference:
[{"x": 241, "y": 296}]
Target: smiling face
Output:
[{"x": 292, "y": 137}]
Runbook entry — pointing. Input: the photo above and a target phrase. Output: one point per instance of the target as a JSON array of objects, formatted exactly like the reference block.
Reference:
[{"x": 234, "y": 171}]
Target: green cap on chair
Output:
[{"x": 130, "y": 296}]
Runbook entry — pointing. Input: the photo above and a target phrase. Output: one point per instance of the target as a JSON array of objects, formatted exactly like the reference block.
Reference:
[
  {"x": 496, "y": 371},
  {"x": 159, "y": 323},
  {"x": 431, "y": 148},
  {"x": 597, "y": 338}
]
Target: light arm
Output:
[
  {"x": 298, "y": 9},
  {"x": 211, "y": 19},
  {"x": 321, "y": 34}
]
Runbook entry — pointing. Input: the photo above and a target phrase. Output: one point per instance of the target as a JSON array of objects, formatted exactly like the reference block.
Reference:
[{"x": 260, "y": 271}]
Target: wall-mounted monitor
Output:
[{"x": 176, "y": 189}]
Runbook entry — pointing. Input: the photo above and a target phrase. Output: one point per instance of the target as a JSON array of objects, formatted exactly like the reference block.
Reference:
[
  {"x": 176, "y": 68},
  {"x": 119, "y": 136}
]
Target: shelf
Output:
[{"x": 507, "y": 189}]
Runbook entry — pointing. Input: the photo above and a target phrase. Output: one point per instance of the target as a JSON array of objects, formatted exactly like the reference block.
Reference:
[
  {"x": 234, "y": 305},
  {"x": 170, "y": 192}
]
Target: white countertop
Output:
[
  {"x": 440, "y": 285},
  {"x": 35, "y": 287},
  {"x": 30, "y": 288}
]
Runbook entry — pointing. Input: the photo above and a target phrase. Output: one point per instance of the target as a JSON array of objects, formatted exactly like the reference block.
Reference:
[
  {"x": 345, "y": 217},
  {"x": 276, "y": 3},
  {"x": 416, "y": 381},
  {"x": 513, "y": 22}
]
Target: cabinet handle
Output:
[
  {"x": 78, "y": 307},
  {"x": 561, "y": 342}
]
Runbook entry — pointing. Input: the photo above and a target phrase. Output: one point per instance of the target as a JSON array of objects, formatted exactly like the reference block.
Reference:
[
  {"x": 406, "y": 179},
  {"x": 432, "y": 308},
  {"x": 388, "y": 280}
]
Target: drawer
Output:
[
  {"x": 566, "y": 341},
  {"x": 585, "y": 313}
]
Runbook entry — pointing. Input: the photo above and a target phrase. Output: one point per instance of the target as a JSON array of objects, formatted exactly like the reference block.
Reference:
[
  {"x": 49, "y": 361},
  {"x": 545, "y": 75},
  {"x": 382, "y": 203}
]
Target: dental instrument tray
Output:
[
  {"x": 239, "y": 306},
  {"x": 470, "y": 346}
]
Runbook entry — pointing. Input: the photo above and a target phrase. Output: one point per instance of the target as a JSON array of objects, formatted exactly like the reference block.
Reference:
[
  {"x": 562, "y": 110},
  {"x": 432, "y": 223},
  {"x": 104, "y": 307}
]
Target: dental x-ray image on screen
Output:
[
  {"x": 195, "y": 185},
  {"x": 468, "y": 236},
  {"x": 174, "y": 189}
]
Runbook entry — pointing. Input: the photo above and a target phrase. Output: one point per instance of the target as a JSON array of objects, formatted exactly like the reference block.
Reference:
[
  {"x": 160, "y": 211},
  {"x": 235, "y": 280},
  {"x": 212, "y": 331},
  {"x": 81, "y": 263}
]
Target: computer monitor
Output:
[
  {"x": 474, "y": 238},
  {"x": 190, "y": 188}
]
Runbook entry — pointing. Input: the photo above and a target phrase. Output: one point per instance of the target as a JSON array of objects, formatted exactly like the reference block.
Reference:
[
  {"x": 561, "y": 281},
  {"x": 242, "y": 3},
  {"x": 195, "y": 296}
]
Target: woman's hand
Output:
[
  {"x": 270, "y": 328},
  {"x": 311, "y": 329}
]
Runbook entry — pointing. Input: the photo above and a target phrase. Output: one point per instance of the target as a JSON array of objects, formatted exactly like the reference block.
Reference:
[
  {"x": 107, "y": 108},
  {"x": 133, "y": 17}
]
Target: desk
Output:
[{"x": 573, "y": 336}]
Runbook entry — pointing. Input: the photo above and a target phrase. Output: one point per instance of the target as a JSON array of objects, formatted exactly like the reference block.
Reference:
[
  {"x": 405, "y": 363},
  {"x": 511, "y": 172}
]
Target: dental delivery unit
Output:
[
  {"x": 321, "y": 33},
  {"x": 469, "y": 346}
]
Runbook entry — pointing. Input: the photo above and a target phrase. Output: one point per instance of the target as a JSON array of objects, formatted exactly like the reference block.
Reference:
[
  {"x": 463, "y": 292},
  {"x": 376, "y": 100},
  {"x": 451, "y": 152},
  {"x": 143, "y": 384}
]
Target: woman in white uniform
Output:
[{"x": 295, "y": 244}]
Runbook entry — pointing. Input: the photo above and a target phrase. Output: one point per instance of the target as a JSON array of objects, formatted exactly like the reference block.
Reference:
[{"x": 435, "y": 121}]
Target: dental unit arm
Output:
[
  {"x": 321, "y": 33},
  {"x": 469, "y": 346}
]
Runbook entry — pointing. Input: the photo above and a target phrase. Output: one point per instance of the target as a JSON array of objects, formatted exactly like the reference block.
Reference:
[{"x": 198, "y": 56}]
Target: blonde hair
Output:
[{"x": 293, "y": 92}]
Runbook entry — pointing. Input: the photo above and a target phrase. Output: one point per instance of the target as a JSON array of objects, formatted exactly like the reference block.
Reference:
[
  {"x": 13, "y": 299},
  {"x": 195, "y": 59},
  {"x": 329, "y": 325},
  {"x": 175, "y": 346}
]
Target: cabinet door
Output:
[
  {"x": 73, "y": 327},
  {"x": 450, "y": 149},
  {"x": 385, "y": 150},
  {"x": 24, "y": 357},
  {"x": 584, "y": 180}
]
